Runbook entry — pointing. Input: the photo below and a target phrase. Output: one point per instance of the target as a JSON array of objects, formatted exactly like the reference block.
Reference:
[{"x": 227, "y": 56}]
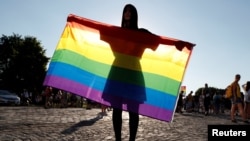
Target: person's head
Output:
[
  {"x": 206, "y": 85},
  {"x": 129, "y": 17},
  {"x": 248, "y": 85},
  {"x": 237, "y": 77}
]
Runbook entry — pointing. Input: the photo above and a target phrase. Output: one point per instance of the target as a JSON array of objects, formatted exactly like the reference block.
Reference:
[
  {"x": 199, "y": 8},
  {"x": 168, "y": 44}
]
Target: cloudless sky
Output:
[{"x": 219, "y": 28}]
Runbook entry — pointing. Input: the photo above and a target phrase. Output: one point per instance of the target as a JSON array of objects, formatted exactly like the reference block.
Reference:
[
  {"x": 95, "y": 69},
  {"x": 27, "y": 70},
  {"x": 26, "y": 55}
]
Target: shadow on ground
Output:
[{"x": 83, "y": 123}]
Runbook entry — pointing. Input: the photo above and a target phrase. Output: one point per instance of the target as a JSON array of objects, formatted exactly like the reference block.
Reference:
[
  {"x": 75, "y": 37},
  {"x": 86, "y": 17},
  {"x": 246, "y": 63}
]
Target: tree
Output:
[{"x": 23, "y": 63}]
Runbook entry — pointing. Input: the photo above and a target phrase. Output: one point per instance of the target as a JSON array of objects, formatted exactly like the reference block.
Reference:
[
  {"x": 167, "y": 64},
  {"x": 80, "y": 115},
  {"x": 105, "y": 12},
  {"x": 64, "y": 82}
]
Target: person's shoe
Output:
[{"x": 234, "y": 121}]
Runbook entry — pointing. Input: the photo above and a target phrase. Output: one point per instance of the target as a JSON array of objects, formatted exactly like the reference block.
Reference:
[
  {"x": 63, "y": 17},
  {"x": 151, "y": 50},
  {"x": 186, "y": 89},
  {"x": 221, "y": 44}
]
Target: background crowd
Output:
[{"x": 216, "y": 102}]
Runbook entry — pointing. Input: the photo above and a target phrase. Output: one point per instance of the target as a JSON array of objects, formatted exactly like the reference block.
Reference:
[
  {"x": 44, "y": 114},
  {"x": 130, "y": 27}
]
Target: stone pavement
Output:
[{"x": 78, "y": 124}]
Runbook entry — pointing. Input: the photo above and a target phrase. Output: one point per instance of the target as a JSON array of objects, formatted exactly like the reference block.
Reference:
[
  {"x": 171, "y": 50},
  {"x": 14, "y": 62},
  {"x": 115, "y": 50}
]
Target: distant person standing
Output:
[
  {"x": 217, "y": 102},
  {"x": 48, "y": 94},
  {"x": 180, "y": 102},
  {"x": 236, "y": 100},
  {"x": 104, "y": 108},
  {"x": 26, "y": 94},
  {"x": 26, "y": 97},
  {"x": 201, "y": 103},
  {"x": 246, "y": 88},
  {"x": 189, "y": 102},
  {"x": 207, "y": 98},
  {"x": 64, "y": 100}
]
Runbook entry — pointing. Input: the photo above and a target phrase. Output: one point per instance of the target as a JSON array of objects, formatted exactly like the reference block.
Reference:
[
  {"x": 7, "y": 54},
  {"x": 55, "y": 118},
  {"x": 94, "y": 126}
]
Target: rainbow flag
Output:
[{"x": 132, "y": 70}]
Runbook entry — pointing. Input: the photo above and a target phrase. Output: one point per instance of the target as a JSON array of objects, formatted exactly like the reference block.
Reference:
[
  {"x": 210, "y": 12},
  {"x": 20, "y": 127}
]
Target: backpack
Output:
[{"x": 228, "y": 92}]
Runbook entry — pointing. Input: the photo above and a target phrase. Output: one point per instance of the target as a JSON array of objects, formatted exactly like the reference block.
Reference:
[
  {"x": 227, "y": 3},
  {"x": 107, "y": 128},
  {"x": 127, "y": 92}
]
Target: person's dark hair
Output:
[
  {"x": 248, "y": 85},
  {"x": 133, "y": 23},
  {"x": 237, "y": 76}
]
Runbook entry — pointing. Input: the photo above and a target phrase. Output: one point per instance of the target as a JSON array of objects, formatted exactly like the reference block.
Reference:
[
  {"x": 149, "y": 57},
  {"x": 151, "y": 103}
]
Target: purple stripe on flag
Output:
[{"x": 87, "y": 92}]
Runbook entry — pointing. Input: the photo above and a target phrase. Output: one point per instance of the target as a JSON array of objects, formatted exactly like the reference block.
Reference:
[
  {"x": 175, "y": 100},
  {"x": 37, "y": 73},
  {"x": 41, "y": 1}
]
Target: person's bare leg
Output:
[
  {"x": 242, "y": 113},
  {"x": 233, "y": 106}
]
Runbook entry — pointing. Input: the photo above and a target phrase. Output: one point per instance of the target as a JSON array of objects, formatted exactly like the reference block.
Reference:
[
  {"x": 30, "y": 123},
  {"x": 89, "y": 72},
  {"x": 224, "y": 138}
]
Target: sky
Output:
[{"x": 219, "y": 28}]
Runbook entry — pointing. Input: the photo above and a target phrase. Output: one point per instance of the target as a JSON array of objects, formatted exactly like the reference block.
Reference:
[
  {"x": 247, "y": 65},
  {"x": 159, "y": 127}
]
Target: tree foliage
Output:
[{"x": 22, "y": 63}]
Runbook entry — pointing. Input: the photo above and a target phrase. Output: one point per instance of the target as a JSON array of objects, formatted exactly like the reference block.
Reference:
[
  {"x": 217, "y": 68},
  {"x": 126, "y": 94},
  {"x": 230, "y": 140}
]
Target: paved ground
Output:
[{"x": 78, "y": 124}]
